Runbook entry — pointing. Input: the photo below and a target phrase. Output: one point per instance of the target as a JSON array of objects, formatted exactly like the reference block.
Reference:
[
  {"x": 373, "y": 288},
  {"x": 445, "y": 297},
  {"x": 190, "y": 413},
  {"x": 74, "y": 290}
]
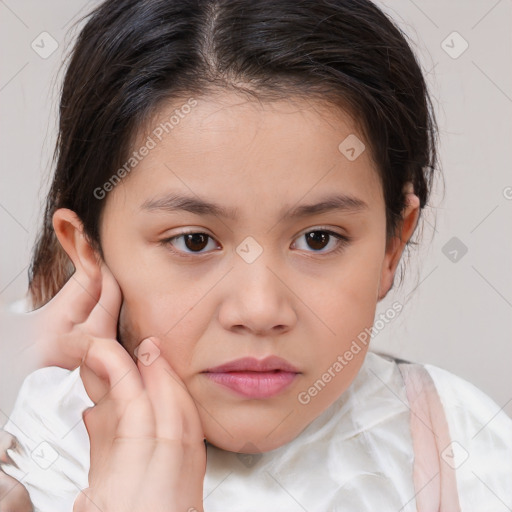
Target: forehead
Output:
[{"x": 249, "y": 155}]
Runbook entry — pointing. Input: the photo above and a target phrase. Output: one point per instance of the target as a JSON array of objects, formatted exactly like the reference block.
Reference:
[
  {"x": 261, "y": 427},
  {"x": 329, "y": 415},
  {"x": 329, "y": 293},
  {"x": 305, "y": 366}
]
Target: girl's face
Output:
[{"x": 263, "y": 276}]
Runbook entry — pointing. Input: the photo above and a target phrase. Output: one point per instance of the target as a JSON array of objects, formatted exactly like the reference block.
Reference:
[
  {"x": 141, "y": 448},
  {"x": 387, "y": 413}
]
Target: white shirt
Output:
[{"x": 357, "y": 456}]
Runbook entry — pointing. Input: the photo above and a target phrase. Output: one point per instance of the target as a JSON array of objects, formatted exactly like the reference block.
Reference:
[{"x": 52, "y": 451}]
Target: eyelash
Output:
[{"x": 343, "y": 241}]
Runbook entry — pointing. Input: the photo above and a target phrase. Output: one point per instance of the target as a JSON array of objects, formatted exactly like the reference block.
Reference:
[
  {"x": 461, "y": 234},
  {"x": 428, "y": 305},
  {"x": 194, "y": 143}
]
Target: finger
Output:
[
  {"x": 111, "y": 363},
  {"x": 120, "y": 452},
  {"x": 119, "y": 417},
  {"x": 75, "y": 300},
  {"x": 134, "y": 442},
  {"x": 177, "y": 471},
  {"x": 121, "y": 426},
  {"x": 81, "y": 291},
  {"x": 96, "y": 387},
  {"x": 8, "y": 442},
  {"x": 101, "y": 423},
  {"x": 102, "y": 321},
  {"x": 180, "y": 453},
  {"x": 175, "y": 412},
  {"x": 14, "y": 496},
  {"x": 68, "y": 350},
  {"x": 79, "y": 300},
  {"x": 71, "y": 306},
  {"x": 107, "y": 364}
]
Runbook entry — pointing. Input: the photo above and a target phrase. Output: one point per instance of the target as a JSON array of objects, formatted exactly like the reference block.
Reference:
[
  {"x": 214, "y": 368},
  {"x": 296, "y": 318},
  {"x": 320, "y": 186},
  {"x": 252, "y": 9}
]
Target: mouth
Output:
[{"x": 253, "y": 378}]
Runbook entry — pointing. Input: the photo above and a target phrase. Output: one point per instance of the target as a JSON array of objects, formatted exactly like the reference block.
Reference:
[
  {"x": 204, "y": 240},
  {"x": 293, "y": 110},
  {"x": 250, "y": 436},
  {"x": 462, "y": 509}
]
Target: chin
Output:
[{"x": 248, "y": 440}]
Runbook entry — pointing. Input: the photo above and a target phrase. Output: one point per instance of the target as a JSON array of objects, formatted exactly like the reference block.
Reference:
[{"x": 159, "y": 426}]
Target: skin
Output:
[
  {"x": 301, "y": 303},
  {"x": 146, "y": 441}
]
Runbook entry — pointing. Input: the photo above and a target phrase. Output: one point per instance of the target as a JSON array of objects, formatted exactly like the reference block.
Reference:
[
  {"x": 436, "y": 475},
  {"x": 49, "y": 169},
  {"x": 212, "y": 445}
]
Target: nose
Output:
[{"x": 257, "y": 299}]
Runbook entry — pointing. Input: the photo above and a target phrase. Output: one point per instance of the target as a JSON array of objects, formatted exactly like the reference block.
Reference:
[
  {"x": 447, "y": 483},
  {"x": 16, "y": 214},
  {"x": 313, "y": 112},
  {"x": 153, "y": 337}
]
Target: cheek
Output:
[
  {"x": 346, "y": 306},
  {"x": 175, "y": 317},
  {"x": 347, "y": 301}
]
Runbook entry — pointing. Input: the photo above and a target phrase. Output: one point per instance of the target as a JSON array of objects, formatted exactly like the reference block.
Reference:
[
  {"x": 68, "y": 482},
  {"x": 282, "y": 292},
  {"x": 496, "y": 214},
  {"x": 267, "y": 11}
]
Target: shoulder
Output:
[
  {"x": 472, "y": 413},
  {"x": 480, "y": 450},
  {"x": 481, "y": 434}
]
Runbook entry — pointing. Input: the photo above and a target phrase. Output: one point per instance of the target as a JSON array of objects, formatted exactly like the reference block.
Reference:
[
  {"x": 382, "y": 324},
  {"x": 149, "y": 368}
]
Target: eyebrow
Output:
[{"x": 173, "y": 203}]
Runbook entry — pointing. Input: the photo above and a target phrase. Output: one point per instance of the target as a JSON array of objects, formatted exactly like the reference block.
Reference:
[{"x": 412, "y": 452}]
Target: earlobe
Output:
[
  {"x": 396, "y": 246},
  {"x": 69, "y": 231}
]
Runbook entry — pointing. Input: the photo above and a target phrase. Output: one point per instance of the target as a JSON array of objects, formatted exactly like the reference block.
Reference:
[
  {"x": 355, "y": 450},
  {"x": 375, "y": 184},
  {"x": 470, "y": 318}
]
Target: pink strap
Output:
[{"x": 434, "y": 479}]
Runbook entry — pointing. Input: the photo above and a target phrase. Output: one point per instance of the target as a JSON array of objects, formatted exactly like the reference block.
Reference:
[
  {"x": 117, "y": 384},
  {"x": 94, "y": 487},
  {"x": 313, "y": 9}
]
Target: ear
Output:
[
  {"x": 70, "y": 233},
  {"x": 397, "y": 244}
]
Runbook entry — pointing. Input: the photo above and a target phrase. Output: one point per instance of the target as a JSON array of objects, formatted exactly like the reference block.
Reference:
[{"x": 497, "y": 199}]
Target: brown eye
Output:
[
  {"x": 189, "y": 243},
  {"x": 317, "y": 239},
  {"x": 196, "y": 241}
]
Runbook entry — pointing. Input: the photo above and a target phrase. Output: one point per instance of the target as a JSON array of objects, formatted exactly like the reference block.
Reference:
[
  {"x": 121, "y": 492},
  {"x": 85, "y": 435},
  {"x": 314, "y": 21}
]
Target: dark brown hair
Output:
[{"x": 132, "y": 55}]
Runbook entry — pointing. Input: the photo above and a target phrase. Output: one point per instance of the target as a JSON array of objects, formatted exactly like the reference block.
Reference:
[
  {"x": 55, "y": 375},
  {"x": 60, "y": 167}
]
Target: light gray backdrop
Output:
[{"x": 457, "y": 294}]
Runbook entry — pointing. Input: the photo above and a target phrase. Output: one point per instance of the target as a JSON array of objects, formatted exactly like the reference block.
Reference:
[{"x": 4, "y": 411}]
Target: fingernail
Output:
[
  {"x": 155, "y": 340},
  {"x": 147, "y": 351}
]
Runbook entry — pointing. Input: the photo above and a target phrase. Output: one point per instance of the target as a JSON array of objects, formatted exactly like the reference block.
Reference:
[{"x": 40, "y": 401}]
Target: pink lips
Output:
[{"x": 254, "y": 378}]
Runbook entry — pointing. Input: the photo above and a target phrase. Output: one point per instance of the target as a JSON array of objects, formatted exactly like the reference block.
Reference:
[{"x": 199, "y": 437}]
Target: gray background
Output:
[{"x": 457, "y": 308}]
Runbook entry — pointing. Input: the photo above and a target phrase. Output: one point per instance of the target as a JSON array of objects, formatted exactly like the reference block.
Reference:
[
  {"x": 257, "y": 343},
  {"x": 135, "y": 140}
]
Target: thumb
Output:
[
  {"x": 102, "y": 322},
  {"x": 14, "y": 496}
]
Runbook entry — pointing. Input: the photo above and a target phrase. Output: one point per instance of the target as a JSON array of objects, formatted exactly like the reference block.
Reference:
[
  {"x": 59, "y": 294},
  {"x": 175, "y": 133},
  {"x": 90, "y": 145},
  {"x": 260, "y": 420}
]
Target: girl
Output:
[{"x": 234, "y": 188}]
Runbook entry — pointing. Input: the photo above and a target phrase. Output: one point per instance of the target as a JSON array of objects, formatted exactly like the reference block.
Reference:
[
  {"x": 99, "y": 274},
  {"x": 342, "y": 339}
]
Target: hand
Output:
[
  {"x": 147, "y": 444},
  {"x": 34, "y": 340},
  {"x": 147, "y": 449},
  {"x": 34, "y": 337},
  {"x": 13, "y": 495}
]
